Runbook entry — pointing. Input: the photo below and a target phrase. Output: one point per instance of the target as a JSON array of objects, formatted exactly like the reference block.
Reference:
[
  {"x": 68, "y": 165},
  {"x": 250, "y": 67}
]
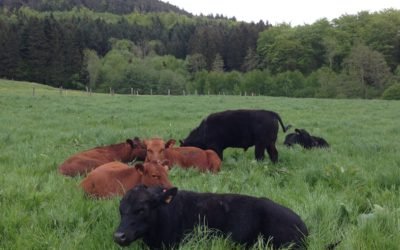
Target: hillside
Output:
[
  {"x": 112, "y": 6},
  {"x": 21, "y": 88},
  {"x": 105, "y": 45}
]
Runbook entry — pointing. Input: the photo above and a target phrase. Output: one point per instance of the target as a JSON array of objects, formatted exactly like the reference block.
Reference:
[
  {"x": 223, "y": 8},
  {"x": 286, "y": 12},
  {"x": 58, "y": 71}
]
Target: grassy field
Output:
[{"x": 350, "y": 191}]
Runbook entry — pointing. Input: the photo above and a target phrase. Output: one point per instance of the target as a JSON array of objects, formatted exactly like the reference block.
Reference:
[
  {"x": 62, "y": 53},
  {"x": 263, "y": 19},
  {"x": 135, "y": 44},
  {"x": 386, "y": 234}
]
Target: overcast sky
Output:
[{"x": 295, "y": 12}]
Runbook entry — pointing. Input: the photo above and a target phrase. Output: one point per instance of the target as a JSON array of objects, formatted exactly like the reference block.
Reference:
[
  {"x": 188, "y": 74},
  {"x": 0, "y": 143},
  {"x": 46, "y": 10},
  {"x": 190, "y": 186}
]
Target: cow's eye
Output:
[
  {"x": 150, "y": 151},
  {"x": 155, "y": 176}
]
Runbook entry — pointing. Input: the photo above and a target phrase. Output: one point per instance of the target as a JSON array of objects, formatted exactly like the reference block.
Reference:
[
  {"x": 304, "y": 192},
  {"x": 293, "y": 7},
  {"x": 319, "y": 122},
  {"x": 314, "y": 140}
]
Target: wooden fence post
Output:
[{"x": 33, "y": 91}]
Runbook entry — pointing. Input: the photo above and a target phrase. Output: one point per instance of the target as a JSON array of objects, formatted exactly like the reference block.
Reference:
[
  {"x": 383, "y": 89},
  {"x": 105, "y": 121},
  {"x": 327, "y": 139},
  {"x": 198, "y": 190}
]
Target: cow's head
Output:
[
  {"x": 155, "y": 149},
  {"x": 138, "y": 212},
  {"x": 195, "y": 137},
  {"x": 154, "y": 173},
  {"x": 138, "y": 149},
  {"x": 304, "y": 138},
  {"x": 320, "y": 142}
]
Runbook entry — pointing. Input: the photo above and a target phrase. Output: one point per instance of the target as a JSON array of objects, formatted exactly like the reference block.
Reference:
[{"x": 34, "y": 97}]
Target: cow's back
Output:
[
  {"x": 109, "y": 179},
  {"x": 228, "y": 213},
  {"x": 83, "y": 162},
  {"x": 193, "y": 157},
  {"x": 239, "y": 128}
]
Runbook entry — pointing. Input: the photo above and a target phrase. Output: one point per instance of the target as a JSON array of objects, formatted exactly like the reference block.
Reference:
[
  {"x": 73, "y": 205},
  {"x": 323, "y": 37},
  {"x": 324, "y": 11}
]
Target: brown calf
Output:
[
  {"x": 116, "y": 178},
  {"x": 83, "y": 162},
  {"x": 204, "y": 160}
]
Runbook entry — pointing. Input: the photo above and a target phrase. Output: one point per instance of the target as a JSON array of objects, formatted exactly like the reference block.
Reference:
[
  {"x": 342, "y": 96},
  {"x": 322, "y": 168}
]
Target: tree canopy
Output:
[{"x": 154, "y": 46}]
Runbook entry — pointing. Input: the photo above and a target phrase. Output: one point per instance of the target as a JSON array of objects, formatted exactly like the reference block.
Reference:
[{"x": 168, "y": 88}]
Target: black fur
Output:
[
  {"x": 303, "y": 138},
  {"x": 149, "y": 214},
  {"x": 238, "y": 129}
]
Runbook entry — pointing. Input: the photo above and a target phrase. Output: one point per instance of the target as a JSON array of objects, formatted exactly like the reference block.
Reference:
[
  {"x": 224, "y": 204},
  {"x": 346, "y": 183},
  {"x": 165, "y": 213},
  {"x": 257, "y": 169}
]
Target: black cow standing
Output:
[
  {"x": 238, "y": 129},
  {"x": 304, "y": 138},
  {"x": 162, "y": 217}
]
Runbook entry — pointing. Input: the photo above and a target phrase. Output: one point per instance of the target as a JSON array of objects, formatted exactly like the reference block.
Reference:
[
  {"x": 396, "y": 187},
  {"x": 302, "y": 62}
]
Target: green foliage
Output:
[
  {"x": 47, "y": 41},
  {"x": 367, "y": 69},
  {"x": 119, "y": 7},
  {"x": 392, "y": 93},
  {"x": 123, "y": 68},
  {"x": 218, "y": 64},
  {"x": 92, "y": 63},
  {"x": 196, "y": 63}
]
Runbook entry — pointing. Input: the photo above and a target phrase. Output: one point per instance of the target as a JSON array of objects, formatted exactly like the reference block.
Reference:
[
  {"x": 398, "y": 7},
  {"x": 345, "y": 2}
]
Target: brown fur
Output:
[
  {"x": 185, "y": 157},
  {"x": 83, "y": 162},
  {"x": 116, "y": 178}
]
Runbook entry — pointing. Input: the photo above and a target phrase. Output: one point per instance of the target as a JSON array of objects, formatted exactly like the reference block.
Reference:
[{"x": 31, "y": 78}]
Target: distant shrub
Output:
[{"x": 392, "y": 93}]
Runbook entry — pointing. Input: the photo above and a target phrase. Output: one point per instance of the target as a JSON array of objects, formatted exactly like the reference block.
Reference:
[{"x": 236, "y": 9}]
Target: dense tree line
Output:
[
  {"x": 47, "y": 47},
  {"x": 114, "y": 6},
  {"x": 355, "y": 56}
]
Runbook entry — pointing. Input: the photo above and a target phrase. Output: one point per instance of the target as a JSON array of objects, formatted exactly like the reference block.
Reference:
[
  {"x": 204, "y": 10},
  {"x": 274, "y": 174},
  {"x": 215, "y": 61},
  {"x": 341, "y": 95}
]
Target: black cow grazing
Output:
[
  {"x": 162, "y": 217},
  {"x": 238, "y": 129},
  {"x": 306, "y": 140}
]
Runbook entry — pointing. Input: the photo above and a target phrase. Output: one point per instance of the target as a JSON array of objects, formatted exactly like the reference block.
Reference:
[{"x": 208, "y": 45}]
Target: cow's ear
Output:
[
  {"x": 134, "y": 143},
  {"x": 140, "y": 168},
  {"x": 170, "y": 143},
  {"x": 130, "y": 142},
  {"x": 305, "y": 133},
  {"x": 165, "y": 164},
  {"x": 168, "y": 195}
]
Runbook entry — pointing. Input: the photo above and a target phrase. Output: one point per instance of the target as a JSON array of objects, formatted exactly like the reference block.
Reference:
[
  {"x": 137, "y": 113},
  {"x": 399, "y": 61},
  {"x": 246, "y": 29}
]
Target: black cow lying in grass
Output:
[
  {"x": 161, "y": 218},
  {"x": 306, "y": 140}
]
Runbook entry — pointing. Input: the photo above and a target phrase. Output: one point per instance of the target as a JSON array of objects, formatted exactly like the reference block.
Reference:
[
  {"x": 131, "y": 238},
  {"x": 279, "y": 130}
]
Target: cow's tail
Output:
[{"x": 281, "y": 122}]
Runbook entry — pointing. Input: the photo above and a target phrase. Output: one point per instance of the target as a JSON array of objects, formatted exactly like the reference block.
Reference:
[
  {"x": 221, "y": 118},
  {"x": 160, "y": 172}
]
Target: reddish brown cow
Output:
[
  {"x": 185, "y": 157},
  {"x": 116, "y": 178},
  {"x": 83, "y": 162}
]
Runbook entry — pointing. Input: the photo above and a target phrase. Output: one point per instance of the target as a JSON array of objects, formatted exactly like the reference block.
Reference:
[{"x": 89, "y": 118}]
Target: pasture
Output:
[{"x": 350, "y": 191}]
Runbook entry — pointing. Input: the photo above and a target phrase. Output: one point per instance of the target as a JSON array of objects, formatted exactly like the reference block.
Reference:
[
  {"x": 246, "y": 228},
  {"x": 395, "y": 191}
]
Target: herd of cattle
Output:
[{"x": 155, "y": 211}]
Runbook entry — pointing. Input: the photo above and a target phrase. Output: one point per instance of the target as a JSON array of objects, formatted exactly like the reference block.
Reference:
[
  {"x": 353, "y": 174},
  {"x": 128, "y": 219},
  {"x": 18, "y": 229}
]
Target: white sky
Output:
[{"x": 295, "y": 12}]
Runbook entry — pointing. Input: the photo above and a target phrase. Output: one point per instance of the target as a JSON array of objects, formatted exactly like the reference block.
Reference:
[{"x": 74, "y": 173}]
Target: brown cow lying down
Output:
[
  {"x": 83, "y": 162},
  {"x": 116, "y": 178},
  {"x": 184, "y": 157}
]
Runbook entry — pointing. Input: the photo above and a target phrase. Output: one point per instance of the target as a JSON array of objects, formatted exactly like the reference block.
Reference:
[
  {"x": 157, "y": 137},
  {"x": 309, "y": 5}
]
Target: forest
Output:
[{"x": 155, "y": 47}]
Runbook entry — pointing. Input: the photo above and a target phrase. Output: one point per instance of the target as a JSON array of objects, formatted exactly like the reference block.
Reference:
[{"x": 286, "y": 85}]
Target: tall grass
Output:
[{"x": 348, "y": 192}]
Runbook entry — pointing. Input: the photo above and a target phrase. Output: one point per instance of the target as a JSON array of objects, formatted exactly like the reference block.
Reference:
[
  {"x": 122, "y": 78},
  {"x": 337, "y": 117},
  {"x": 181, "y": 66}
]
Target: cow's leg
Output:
[
  {"x": 219, "y": 153},
  {"x": 259, "y": 151},
  {"x": 272, "y": 152}
]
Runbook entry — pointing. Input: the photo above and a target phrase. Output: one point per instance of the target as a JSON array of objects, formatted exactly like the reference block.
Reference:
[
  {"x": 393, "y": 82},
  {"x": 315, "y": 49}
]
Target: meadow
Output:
[{"x": 349, "y": 192}]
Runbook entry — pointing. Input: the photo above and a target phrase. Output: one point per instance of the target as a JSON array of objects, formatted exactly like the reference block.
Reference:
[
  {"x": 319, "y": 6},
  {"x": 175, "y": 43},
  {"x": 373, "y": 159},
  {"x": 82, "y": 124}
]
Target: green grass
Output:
[{"x": 349, "y": 192}]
